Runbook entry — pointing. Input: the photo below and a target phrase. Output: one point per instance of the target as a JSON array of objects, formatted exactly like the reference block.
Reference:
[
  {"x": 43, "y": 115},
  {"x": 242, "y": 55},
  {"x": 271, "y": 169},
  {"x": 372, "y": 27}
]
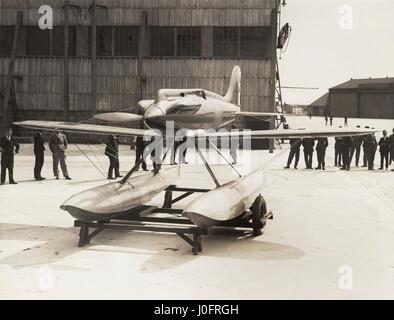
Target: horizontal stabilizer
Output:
[
  {"x": 83, "y": 128},
  {"x": 118, "y": 117}
]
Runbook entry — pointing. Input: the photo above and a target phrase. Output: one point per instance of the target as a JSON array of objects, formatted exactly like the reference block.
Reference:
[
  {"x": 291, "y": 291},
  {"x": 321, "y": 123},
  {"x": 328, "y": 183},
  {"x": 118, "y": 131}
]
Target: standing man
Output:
[
  {"x": 370, "y": 146},
  {"x": 180, "y": 146},
  {"x": 295, "y": 145},
  {"x": 139, "y": 152},
  {"x": 331, "y": 118},
  {"x": 391, "y": 147},
  {"x": 8, "y": 147},
  {"x": 234, "y": 144},
  {"x": 357, "y": 140},
  {"x": 156, "y": 149},
  {"x": 338, "y": 151},
  {"x": 112, "y": 152},
  {"x": 347, "y": 147},
  {"x": 326, "y": 118},
  {"x": 308, "y": 144},
  {"x": 322, "y": 144},
  {"x": 58, "y": 145},
  {"x": 384, "y": 148},
  {"x": 365, "y": 152},
  {"x": 39, "y": 149},
  {"x": 345, "y": 124},
  {"x": 182, "y": 151}
]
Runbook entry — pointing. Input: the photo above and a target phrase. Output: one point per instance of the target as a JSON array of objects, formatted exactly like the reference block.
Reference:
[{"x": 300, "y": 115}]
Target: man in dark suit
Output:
[
  {"x": 384, "y": 144},
  {"x": 322, "y": 144},
  {"x": 112, "y": 151},
  {"x": 308, "y": 144},
  {"x": 338, "y": 151},
  {"x": 357, "y": 140},
  {"x": 139, "y": 152},
  {"x": 391, "y": 147},
  {"x": 8, "y": 146},
  {"x": 39, "y": 149},
  {"x": 370, "y": 146},
  {"x": 347, "y": 146},
  {"x": 295, "y": 145}
]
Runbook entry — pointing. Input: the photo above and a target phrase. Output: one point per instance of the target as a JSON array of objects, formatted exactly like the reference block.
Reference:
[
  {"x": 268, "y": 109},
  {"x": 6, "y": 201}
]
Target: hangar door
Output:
[{"x": 377, "y": 105}]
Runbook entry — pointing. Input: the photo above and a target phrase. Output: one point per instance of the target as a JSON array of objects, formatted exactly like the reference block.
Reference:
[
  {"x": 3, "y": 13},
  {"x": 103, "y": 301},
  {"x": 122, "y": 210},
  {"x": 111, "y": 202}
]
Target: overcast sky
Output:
[{"x": 323, "y": 52}]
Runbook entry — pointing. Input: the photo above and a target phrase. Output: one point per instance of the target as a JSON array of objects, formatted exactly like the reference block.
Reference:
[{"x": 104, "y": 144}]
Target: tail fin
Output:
[{"x": 234, "y": 81}]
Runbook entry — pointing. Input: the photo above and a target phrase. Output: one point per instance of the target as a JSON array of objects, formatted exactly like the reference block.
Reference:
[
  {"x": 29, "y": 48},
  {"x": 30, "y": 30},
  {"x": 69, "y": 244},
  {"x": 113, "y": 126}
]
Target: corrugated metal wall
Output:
[
  {"x": 378, "y": 105},
  {"x": 40, "y": 92},
  {"x": 343, "y": 104},
  {"x": 160, "y": 12},
  {"x": 42, "y": 85}
]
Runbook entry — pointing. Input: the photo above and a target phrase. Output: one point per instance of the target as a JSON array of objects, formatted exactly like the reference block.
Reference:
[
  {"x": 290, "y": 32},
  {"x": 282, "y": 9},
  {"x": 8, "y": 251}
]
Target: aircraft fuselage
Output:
[{"x": 189, "y": 109}]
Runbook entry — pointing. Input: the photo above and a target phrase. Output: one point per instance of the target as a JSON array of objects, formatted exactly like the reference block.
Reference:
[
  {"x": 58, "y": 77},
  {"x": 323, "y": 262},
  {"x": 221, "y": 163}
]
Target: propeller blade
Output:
[{"x": 118, "y": 117}]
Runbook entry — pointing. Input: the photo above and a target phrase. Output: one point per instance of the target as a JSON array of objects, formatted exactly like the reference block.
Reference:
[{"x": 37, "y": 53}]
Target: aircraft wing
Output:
[
  {"x": 283, "y": 133},
  {"x": 83, "y": 128},
  {"x": 258, "y": 114}
]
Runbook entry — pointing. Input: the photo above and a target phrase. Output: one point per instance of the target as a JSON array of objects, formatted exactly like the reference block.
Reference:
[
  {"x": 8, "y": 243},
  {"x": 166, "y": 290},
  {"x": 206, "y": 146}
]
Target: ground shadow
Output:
[{"x": 165, "y": 250}]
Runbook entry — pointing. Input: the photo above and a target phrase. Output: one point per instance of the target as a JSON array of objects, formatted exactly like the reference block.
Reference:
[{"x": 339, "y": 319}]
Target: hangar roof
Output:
[
  {"x": 321, "y": 102},
  {"x": 365, "y": 83}
]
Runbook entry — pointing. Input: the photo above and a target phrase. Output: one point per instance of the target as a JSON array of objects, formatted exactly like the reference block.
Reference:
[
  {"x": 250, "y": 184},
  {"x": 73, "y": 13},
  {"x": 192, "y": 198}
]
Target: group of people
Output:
[
  {"x": 345, "y": 149},
  {"x": 145, "y": 148},
  {"x": 57, "y": 144}
]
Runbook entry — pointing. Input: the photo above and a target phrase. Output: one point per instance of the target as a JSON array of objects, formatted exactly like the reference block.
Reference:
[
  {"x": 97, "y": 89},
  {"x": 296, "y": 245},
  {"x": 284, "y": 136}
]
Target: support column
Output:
[
  {"x": 66, "y": 99},
  {"x": 274, "y": 26},
  {"x": 141, "y": 55},
  {"x": 94, "y": 57},
  {"x": 11, "y": 67}
]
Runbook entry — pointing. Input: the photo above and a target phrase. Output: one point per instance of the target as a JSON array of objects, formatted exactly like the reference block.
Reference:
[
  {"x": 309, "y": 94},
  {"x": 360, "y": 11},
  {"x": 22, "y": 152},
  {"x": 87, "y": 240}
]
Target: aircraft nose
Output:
[{"x": 153, "y": 112}]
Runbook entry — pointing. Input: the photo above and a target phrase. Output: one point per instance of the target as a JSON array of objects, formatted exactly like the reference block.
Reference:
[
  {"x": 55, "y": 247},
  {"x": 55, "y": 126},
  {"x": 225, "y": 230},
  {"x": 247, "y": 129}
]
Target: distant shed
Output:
[
  {"x": 363, "y": 98},
  {"x": 319, "y": 106}
]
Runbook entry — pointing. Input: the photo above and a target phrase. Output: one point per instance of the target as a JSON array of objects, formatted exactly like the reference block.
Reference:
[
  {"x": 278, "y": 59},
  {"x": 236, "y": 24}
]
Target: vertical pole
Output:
[
  {"x": 141, "y": 54},
  {"x": 66, "y": 61},
  {"x": 94, "y": 57},
  {"x": 274, "y": 25},
  {"x": 207, "y": 165},
  {"x": 11, "y": 67}
]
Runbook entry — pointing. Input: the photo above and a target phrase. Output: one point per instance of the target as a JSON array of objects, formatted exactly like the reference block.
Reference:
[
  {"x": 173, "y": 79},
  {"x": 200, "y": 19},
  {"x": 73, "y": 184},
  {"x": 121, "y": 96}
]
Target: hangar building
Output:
[
  {"x": 363, "y": 98},
  {"x": 105, "y": 55}
]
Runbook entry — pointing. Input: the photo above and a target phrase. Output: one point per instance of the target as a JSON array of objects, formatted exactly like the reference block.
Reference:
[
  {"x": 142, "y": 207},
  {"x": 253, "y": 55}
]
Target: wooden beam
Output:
[
  {"x": 274, "y": 26},
  {"x": 141, "y": 54},
  {"x": 94, "y": 57},
  {"x": 11, "y": 67},
  {"x": 66, "y": 103}
]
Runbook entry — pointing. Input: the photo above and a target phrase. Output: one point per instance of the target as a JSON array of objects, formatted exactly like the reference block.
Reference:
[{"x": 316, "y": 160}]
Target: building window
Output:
[
  {"x": 225, "y": 42},
  {"x": 256, "y": 42},
  {"x": 104, "y": 41},
  {"x": 38, "y": 42},
  {"x": 188, "y": 42},
  {"x": 58, "y": 41},
  {"x": 162, "y": 41},
  {"x": 6, "y": 38},
  {"x": 126, "y": 41}
]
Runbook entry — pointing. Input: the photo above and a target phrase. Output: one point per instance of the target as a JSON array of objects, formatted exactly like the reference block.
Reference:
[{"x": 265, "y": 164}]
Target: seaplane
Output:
[{"x": 196, "y": 114}]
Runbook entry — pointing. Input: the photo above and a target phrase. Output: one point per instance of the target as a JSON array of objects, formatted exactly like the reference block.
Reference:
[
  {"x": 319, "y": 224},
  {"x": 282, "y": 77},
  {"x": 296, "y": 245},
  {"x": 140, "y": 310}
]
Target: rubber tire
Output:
[{"x": 259, "y": 210}]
